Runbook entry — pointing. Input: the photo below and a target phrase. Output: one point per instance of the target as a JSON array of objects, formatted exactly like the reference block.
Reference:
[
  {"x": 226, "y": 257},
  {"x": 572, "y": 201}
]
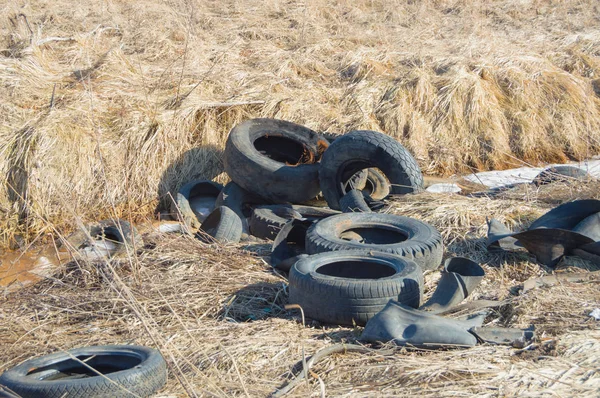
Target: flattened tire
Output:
[
  {"x": 279, "y": 177},
  {"x": 267, "y": 221},
  {"x": 362, "y": 149},
  {"x": 223, "y": 225},
  {"x": 403, "y": 236},
  {"x": 323, "y": 285},
  {"x": 140, "y": 371}
]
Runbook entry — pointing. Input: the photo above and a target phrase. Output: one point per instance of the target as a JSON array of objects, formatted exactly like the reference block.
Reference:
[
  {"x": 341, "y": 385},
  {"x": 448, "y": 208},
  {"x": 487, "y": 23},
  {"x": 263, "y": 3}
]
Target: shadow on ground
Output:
[{"x": 202, "y": 163}]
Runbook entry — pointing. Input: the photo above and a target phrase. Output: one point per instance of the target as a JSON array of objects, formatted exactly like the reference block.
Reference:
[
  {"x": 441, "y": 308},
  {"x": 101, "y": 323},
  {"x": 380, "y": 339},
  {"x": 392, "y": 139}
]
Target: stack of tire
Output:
[{"x": 344, "y": 266}]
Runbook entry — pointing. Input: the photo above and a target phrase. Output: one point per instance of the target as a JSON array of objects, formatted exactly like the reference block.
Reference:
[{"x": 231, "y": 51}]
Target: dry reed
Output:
[
  {"x": 217, "y": 315},
  {"x": 108, "y": 106}
]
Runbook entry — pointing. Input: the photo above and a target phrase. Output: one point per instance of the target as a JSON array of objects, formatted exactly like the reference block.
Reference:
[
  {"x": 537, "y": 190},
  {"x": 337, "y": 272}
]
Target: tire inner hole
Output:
[
  {"x": 72, "y": 369},
  {"x": 356, "y": 269},
  {"x": 374, "y": 236},
  {"x": 283, "y": 150}
]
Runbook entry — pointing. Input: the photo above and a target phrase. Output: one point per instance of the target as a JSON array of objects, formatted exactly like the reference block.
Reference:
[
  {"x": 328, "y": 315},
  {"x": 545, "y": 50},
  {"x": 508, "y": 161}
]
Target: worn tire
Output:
[
  {"x": 238, "y": 200},
  {"x": 181, "y": 207},
  {"x": 354, "y": 202},
  {"x": 141, "y": 378},
  {"x": 344, "y": 299},
  {"x": 267, "y": 221},
  {"x": 119, "y": 231},
  {"x": 362, "y": 149},
  {"x": 560, "y": 174},
  {"x": 223, "y": 225},
  {"x": 376, "y": 185},
  {"x": 417, "y": 240},
  {"x": 280, "y": 177}
]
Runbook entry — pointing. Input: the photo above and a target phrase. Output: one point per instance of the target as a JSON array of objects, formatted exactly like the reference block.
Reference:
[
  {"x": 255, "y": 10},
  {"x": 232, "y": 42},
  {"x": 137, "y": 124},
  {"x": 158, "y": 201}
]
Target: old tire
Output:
[
  {"x": 376, "y": 185},
  {"x": 129, "y": 371},
  {"x": 182, "y": 208},
  {"x": 363, "y": 149},
  {"x": 275, "y": 159},
  {"x": 349, "y": 287},
  {"x": 403, "y": 236},
  {"x": 118, "y": 231},
  {"x": 238, "y": 200},
  {"x": 267, "y": 221},
  {"x": 354, "y": 202},
  {"x": 560, "y": 174},
  {"x": 223, "y": 225}
]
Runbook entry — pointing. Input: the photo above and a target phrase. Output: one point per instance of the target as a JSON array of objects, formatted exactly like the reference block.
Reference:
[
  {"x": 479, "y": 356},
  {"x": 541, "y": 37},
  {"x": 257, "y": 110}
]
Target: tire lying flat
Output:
[
  {"x": 348, "y": 287},
  {"x": 128, "y": 371},
  {"x": 362, "y": 149},
  {"x": 275, "y": 159},
  {"x": 403, "y": 236}
]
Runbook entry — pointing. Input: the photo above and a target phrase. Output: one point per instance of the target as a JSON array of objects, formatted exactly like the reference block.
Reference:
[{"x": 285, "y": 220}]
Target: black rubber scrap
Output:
[
  {"x": 127, "y": 371},
  {"x": 290, "y": 244},
  {"x": 363, "y": 149},
  {"x": 354, "y": 202},
  {"x": 566, "y": 229},
  {"x": 388, "y": 233},
  {"x": 267, "y": 221},
  {"x": 350, "y": 287}
]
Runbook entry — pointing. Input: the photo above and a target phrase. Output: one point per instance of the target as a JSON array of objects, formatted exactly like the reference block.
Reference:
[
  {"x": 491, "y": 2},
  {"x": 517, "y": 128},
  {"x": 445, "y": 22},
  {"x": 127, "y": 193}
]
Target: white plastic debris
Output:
[
  {"x": 595, "y": 314},
  {"x": 443, "y": 188}
]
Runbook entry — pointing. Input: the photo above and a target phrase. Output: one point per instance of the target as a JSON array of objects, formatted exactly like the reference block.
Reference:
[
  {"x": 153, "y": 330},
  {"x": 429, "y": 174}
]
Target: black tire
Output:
[
  {"x": 129, "y": 371},
  {"x": 223, "y": 225},
  {"x": 403, "y": 236},
  {"x": 560, "y": 174},
  {"x": 181, "y": 208},
  {"x": 376, "y": 185},
  {"x": 117, "y": 231},
  {"x": 290, "y": 172},
  {"x": 267, "y": 221},
  {"x": 239, "y": 200},
  {"x": 354, "y": 202},
  {"x": 349, "y": 287},
  {"x": 362, "y": 149}
]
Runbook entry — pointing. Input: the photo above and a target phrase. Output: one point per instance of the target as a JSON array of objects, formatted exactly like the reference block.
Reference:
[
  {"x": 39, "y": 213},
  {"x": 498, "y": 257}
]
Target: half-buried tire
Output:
[
  {"x": 275, "y": 159},
  {"x": 99, "y": 371},
  {"x": 350, "y": 287},
  {"x": 363, "y": 149},
  {"x": 388, "y": 233},
  {"x": 223, "y": 225}
]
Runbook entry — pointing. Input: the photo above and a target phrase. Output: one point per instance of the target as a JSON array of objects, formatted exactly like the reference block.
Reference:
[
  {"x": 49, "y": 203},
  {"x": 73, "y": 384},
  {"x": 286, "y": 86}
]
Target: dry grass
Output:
[
  {"x": 217, "y": 315},
  {"x": 106, "y": 106}
]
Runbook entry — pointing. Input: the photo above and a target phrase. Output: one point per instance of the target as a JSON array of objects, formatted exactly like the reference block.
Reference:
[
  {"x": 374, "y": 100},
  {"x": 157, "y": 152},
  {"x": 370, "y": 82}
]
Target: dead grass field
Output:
[
  {"x": 217, "y": 315},
  {"x": 108, "y": 105}
]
